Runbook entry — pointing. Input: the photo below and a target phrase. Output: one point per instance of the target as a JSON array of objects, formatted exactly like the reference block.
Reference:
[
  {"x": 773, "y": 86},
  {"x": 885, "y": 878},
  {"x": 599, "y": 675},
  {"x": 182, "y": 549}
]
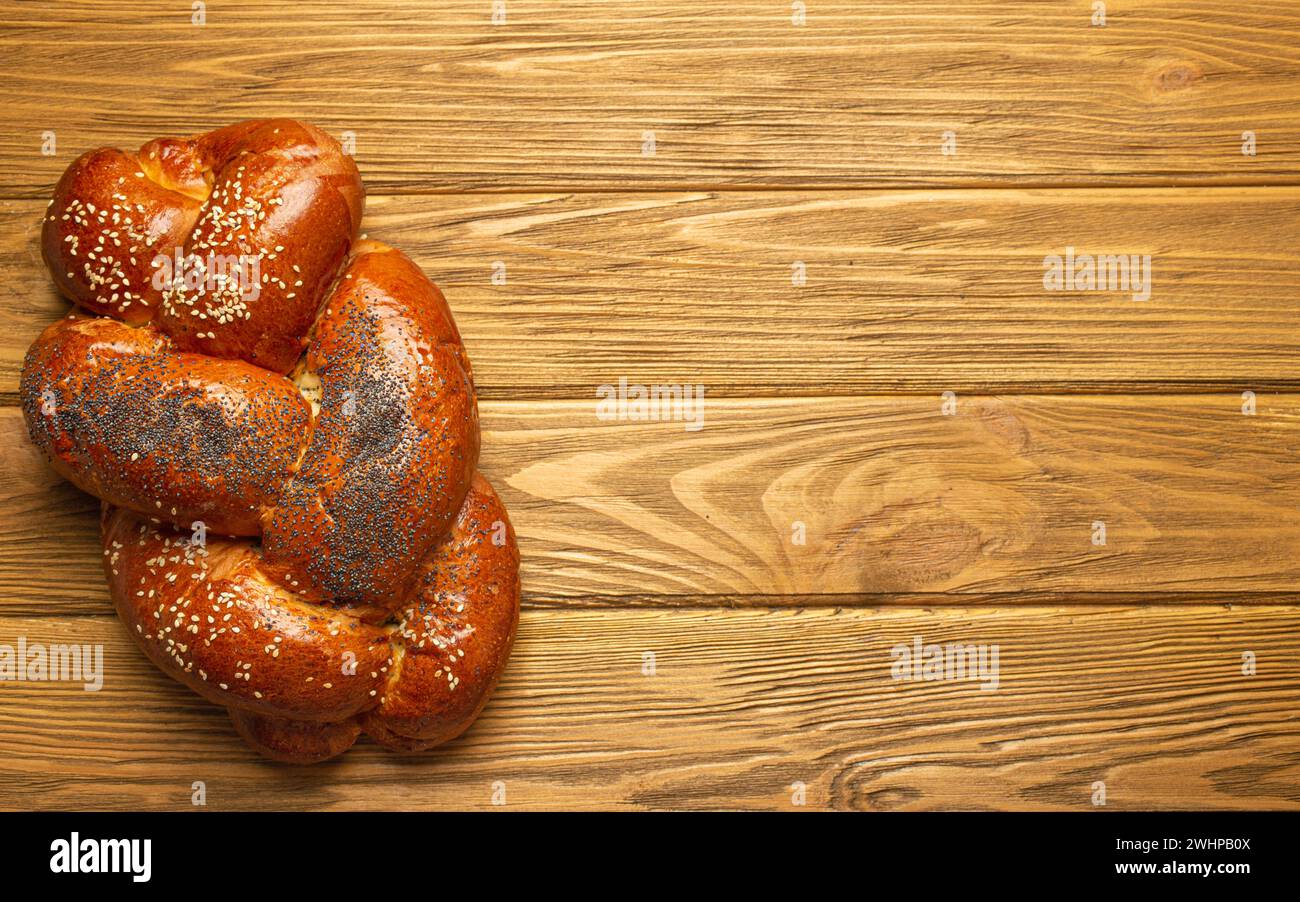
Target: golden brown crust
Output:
[
  {"x": 295, "y": 741},
  {"x": 396, "y": 440},
  {"x": 104, "y": 228},
  {"x": 315, "y": 552},
  {"x": 456, "y": 632},
  {"x": 301, "y": 679},
  {"x": 211, "y": 618},
  {"x": 180, "y": 437},
  {"x": 260, "y": 214},
  {"x": 287, "y": 201}
]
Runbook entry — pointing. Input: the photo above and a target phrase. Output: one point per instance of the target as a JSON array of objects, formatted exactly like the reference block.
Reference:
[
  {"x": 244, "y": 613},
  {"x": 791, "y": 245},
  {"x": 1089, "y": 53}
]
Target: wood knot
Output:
[
  {"x": 1001, "y": 422},
  {"x": 1176, "y": 76}
]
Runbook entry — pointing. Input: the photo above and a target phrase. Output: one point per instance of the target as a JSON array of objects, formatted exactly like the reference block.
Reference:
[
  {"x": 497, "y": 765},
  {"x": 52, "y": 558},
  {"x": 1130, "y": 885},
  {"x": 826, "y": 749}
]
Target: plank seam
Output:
[
  {"x": 920, "y": 602},
  {"x": 1141, "y": 183},
  {"x": 10, "y": 400}
]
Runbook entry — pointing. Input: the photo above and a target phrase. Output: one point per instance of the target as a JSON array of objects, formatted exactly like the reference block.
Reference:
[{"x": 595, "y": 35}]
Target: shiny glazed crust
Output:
[
  {"x": 303, "y": 680},
  {"x": 396, "y": 439},
  {"x": 278, "y": 193},
  {"x": 293, "y": 526}
]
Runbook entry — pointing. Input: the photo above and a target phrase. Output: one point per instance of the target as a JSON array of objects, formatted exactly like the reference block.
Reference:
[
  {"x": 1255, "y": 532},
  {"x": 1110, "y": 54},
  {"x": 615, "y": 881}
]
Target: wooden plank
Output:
[
  {"x": 740, "y": 706},
  {"x": 913, "y": 291},
  {"x": 994, "y": 504},
  {"x": 561, "y": 95}
]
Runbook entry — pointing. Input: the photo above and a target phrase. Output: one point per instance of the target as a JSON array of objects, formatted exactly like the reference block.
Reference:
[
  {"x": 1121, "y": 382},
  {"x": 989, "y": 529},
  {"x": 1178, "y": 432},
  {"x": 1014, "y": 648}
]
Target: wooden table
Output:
[{"x": 829, "y": 216}]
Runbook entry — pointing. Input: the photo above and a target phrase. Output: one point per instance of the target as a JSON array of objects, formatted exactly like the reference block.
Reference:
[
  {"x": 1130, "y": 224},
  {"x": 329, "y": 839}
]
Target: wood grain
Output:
[
  {"x": 741, "y": 705},
  {"x": 519, "y": 149},
  {"x": 894, "y": 497},
  {"x": 913, "y": 291},
  {"x": 560, "y": 95}
]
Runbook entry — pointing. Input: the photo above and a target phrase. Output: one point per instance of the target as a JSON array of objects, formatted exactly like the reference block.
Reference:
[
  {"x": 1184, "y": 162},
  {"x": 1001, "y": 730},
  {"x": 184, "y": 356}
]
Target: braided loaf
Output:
[{"x": 281, "y": 423}]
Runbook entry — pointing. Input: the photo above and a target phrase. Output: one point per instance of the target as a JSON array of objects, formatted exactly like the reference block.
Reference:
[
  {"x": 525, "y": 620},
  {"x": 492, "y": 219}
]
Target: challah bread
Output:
[
  {"x": 460, "y": 623},
  {"x": 180, "y": 437},
  {"x": 106, "y": 226},
  {"x": 278, "y": 196},
  {"x": 396, "y": 437},
  {"x": 208, "y": 615},
  {"x": 448, "y": 647},
  {"x": 293, "y": 526},
  {"x": 211, "y": 617}
]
